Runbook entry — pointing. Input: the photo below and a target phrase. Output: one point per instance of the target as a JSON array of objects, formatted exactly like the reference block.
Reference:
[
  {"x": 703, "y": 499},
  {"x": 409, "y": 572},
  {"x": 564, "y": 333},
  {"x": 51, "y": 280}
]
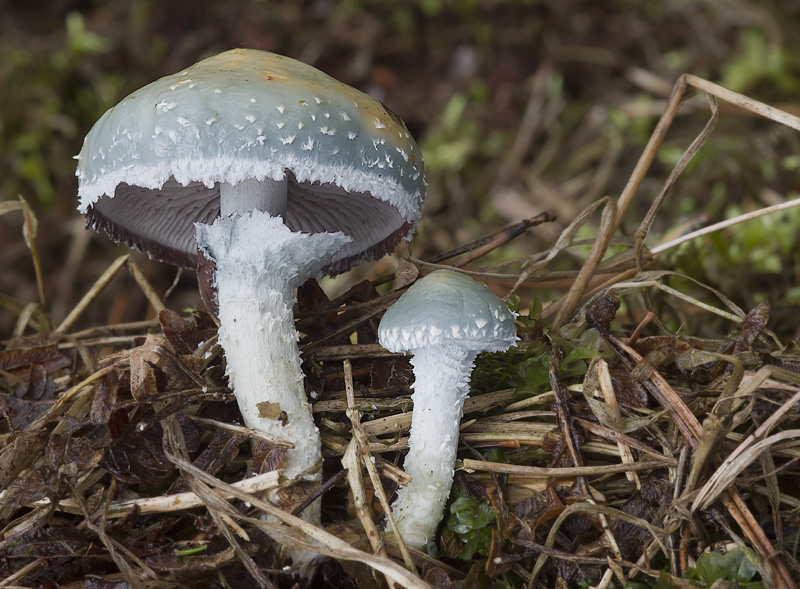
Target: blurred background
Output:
[{"x": 519, "y": 107}]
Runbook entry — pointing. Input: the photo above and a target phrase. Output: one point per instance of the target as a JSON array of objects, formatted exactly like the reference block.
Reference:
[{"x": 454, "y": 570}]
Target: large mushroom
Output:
[
  {"x": 444, "y": 320},
  {"x": 275, "y": 173}
]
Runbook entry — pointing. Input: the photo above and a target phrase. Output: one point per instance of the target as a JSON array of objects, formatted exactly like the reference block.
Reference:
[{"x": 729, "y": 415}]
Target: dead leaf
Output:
[
  {"x": 223, "y": 447},
  {"x": 183, "y": 338},
  {"x": 47, "y": 355},
  {"x": 405, "y": 274},
  {"x": 105, "y": 398},
  {"x": 751, "y": 327},
  {"x": 438, "y": 578},
  {"x": 138, "y": 456},
  {"x": 267, "y": 410},
  {"x": 266, "y": 457}
]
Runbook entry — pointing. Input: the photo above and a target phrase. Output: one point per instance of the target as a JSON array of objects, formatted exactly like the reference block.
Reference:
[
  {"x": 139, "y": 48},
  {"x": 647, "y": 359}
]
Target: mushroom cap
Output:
[
  {"x": 448, "y": 308},
  {"x": 151, "y": 166}
]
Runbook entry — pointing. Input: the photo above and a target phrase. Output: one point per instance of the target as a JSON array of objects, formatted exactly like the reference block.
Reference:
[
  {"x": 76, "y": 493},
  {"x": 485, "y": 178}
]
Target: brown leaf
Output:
[
  {"x": 311, "y": 297},
  {"x": 553, "y": 508},
  {"x": 105, "y": 398},
  {"x": 143, "y": 377},
  {"x": 405, "y": 274},
  {"x": 475, "y": 576},
  {"x": 291, "y": 496},
  {"x": 205, "y": 280},
  {"x": 30, "y": 400},
  {"x": 213, "y": 557},
  {"x": 93, "y": 582},
  {"x": 629, "y": 392},
  {"x": 451, "y": 545},
  {"x": 267, "y": 410},
  {"x": 40, "y": 387},
  {"x": 62, "y": 456},
  {"x": 390, "y": 372},
  {"x": 645, "y": 503},
  {"x": 82, "y": 452},
  {"x": 529, "y": 510},
  {"x": 54, "y": 542},
  {"x": 38, "y": 483},
  {"x": 266, "y": 457},
  {"x": 124, "y": 524},
  {"x": 438, "y": 578},
  {"x": 223, "y": 447},
  {"x": 367, "y": 332},
  {"x": 155, "y": 370},
  {"x": 751, "y": 327},
  {"x": 19, "y": 452},
  {"x": 191, "y": 433},
  {"x": 118, "y": 423},
  {"x": 204, "y": 321},
  {"x": 183, "y": 338},
  {"x": 47, "y": 355},
  {"x": 138, "y": 456},
  {"x": 554, "y": 443},
  {"x": 361, "y": 293},
  {"x": 190, "y": 366},
  {"x": 496, "y": 565},
  {"x": 55, "y": 450}
]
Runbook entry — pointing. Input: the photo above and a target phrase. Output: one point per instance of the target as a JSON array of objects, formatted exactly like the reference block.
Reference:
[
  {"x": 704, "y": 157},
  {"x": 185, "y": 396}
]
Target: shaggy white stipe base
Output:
[
  {"x": 259, "y": 263},
  {"x": 442, "y": 376}
]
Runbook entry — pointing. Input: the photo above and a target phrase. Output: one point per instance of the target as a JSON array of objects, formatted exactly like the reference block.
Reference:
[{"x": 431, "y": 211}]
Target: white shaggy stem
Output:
[
  {"x": 259, "y": 263},
  {"x": 442, "y": 375}
]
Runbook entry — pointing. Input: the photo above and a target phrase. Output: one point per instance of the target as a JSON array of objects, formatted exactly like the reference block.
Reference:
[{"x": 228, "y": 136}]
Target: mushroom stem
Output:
[
  {"x": 442, "y": 376},
  {"x": 259, "y": 263},
  {"x": 254, "y": 195}
]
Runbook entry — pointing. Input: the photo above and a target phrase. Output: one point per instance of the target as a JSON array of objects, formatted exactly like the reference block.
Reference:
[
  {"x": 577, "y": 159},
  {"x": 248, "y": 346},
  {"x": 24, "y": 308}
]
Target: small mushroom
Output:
[
  {"x": 275, "y": 173},
  {"x": 444, "y": 320}
]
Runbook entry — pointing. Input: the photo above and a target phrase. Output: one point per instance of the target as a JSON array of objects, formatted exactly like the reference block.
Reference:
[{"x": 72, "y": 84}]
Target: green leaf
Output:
[
  {"x": 484, "y": 515},
  {"x": 470, "y": 521},
  {"x": 587, "y": 348},
  {"x": 191, "y": 551},
  {"x": 535, "y": 308},
  {"x": 710, "y": 567},
  {"x": 736, "y": 566},
  {"x": 740, "y": 564},
  {"x": 534, "y": 374}
]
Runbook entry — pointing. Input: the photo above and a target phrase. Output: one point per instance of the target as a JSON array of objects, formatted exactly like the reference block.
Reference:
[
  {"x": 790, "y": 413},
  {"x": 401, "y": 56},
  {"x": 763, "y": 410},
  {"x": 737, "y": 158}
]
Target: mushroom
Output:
[
  {"x": 444, "y": 320},
  {"x": 272, "y": 173}
]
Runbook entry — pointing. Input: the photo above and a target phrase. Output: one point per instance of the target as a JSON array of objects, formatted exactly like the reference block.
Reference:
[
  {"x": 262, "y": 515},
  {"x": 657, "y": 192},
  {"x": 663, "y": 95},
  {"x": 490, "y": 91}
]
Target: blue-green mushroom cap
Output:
[
  {"x": 151, "y": 166},
  {"x": 444, "y": 308}
]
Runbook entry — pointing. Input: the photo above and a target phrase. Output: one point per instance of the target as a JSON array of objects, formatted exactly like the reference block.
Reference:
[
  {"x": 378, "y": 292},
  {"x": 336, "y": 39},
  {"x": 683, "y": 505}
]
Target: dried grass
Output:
[{"x": 118, "y": 442}]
